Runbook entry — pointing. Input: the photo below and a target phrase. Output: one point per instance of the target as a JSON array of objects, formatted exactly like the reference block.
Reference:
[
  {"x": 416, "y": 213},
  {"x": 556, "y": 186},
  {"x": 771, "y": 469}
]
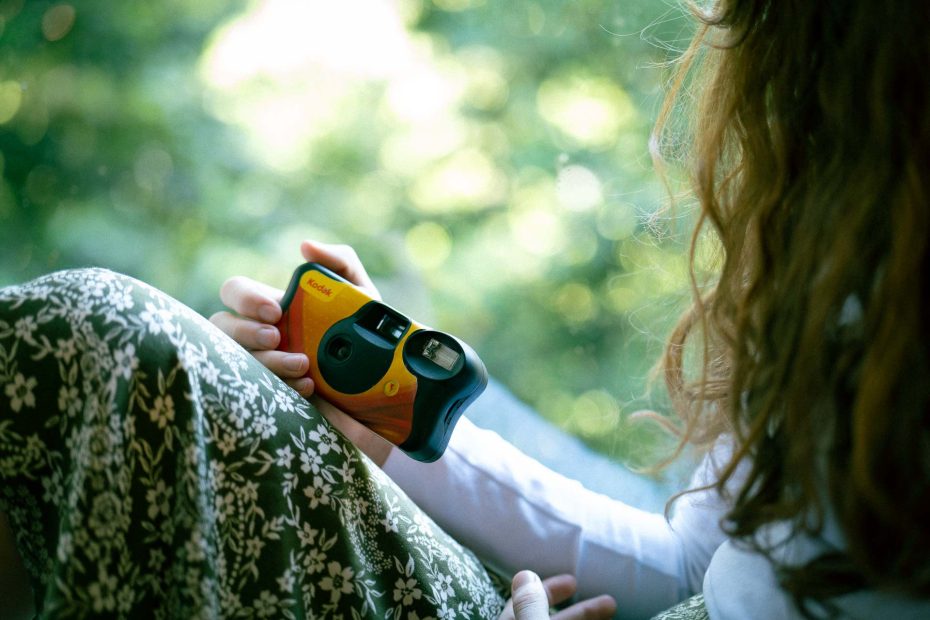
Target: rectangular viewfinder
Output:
[
  {"x": 440, "y": 354},
  {"x": 390, "y": 328},
  {"x": 383, "y": 322}
]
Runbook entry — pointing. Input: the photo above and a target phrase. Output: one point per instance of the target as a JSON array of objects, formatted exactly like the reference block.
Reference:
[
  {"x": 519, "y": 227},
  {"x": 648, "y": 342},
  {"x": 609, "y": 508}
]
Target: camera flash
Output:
[{"x": 440, "y": 354}]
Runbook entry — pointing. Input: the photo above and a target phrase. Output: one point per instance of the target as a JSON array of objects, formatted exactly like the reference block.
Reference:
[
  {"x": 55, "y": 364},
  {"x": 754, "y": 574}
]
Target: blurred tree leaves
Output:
[{"x": 488, "y": 160}]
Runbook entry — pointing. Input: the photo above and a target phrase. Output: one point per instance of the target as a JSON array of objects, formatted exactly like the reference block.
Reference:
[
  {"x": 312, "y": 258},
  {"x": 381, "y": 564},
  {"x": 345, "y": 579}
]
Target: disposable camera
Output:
[{"x": 406, "y": 382}]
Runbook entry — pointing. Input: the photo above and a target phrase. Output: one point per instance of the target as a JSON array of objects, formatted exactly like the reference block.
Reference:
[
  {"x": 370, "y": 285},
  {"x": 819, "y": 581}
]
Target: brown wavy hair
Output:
[{"x": 810, "y": 160}]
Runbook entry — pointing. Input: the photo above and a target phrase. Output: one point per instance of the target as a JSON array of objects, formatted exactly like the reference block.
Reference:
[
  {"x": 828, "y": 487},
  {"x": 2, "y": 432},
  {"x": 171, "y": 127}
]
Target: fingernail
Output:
[
  {"x": 268, "y": 337},
  {"x": 304, "y": 385},
  {"x": 267, "y": 313},
  {"x": 295, "y": 362},
  {"x": 524, "y": 578}
]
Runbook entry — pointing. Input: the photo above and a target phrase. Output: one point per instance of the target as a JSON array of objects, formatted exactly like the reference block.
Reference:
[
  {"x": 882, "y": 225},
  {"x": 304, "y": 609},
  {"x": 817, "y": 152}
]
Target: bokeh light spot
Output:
[
  {"x": 372, "y": 203},
  {"x": 620, "y": 296},
  {"x": 589, "y": 110},
  {"x": 257, "y": 198},
  {"x": 578, "y": 188},
  {"x": 42, "y": 185},
  {"x": 408, "y": 152},
  {"x": 152, "y": 168},
  {"x": 58, "y": 21},
  {"x": 595, "y": 413},
  {"x": 428, "y": 245},
  {"x": 425, "y": 92},
  {"x": 78, "y": 143},
  {"x": 291, "y": 73},
  {"x": 537, "y": 231},
  {"x": 535, "y": 17},
  {"x": 485, "y": 85},
  {"x": 11, "y": 97},
  {"x": 280, "y": 40},
  {"x": 466, "y": 181},
  {"x": 581, "y": 247},
  {"x": 575, "y": 302},
  {"x": 616, "y": 221}
]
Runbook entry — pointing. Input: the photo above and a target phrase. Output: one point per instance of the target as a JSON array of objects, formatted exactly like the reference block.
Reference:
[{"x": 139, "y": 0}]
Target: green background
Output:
[{"x": 487, "y": 159}]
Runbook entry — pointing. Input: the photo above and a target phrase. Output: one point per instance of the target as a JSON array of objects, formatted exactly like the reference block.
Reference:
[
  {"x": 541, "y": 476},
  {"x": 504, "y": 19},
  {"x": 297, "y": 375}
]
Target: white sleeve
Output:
[{"x": 515, "y": 513}]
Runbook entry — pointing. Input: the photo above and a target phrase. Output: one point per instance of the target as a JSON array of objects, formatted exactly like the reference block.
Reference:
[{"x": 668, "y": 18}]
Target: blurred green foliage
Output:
[{"x": 488, "y": 160}]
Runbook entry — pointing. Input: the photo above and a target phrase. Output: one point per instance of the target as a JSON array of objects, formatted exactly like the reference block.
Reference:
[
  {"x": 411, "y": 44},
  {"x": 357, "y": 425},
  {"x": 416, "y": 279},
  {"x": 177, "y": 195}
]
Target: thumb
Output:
[{"x": 530, "y": 601}]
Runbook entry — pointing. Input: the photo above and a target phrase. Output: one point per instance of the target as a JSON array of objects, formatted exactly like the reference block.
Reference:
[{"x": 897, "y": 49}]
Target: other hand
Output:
[
  {"x": 531, "y": 599},
  {"x": 254, "y": 309}
]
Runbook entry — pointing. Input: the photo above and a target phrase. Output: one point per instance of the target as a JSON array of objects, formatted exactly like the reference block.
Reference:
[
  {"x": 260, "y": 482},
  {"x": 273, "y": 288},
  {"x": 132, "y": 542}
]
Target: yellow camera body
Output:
[{"x": 406, "y": 382}]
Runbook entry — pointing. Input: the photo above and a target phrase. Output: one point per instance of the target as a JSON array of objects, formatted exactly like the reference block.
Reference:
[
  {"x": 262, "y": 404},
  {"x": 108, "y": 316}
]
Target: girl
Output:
[
  {"x": 810, "y": 140},
  {"x": 809, "y": 152}
]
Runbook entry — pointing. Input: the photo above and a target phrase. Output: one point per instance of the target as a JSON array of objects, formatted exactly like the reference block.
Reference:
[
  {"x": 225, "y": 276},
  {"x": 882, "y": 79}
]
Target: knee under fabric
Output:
[{"x": 150, "y": 466}]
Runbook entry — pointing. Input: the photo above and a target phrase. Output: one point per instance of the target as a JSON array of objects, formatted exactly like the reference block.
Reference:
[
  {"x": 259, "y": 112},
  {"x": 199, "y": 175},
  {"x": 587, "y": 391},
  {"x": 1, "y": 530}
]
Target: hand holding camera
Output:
[
  {"x": 406, "y": 382},
  {"x": 402, "y": 380}
]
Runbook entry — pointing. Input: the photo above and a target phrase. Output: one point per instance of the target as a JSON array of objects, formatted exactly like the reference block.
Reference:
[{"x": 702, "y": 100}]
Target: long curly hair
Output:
[{"x": 810, "y": 159}]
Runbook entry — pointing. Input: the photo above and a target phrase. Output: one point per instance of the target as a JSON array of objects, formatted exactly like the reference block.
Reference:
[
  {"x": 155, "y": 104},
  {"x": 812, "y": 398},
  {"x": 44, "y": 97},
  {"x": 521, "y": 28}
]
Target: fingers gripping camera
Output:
[{"x": 406, "y": 382}]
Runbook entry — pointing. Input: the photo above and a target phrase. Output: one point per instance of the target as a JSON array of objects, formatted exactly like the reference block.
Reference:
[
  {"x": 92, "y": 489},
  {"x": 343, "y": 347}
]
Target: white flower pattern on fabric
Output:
[
  {"x": 339, "y": 580},
  {"x": 318, "y": 492},
  {"x": 158, "y": 320},
  {"x": 162, "y": 410},
  {"x": 20, "y": 392},
  {"x": 24, "y": 328},
  {"x": 407, "y": 591}
]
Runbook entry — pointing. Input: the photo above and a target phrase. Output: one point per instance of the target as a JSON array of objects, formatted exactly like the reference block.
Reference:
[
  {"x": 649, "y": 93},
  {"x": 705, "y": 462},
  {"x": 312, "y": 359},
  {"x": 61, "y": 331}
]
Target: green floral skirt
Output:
[{"x": 150, "y": 467}]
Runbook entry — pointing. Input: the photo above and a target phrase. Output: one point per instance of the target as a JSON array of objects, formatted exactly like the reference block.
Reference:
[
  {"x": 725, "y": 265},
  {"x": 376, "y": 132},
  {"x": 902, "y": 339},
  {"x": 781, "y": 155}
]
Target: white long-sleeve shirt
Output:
[{"x": 515, "y": 514}]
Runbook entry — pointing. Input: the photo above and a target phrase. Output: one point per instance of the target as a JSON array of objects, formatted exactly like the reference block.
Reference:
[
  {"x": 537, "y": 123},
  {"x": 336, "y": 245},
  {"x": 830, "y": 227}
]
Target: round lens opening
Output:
[{"x": 339, "y": 348}]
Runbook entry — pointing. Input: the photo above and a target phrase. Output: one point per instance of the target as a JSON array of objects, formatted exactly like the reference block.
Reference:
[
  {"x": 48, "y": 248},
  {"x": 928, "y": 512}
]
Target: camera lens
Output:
[{"x": 339, "y": 348}]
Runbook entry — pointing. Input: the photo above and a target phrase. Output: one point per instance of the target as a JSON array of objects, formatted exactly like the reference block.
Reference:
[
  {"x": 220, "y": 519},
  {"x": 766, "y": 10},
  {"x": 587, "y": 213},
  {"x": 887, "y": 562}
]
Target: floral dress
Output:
[{"x": 150, "y": 467}]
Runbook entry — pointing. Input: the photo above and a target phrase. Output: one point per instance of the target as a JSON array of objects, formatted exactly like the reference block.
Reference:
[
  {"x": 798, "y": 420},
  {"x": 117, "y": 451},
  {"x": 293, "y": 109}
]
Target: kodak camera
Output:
[{"x": 406, "y": 382}]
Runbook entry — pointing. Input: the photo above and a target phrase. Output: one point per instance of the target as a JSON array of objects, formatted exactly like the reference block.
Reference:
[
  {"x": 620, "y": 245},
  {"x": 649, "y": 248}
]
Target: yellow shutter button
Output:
[{"x": 391, "y": 388}]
